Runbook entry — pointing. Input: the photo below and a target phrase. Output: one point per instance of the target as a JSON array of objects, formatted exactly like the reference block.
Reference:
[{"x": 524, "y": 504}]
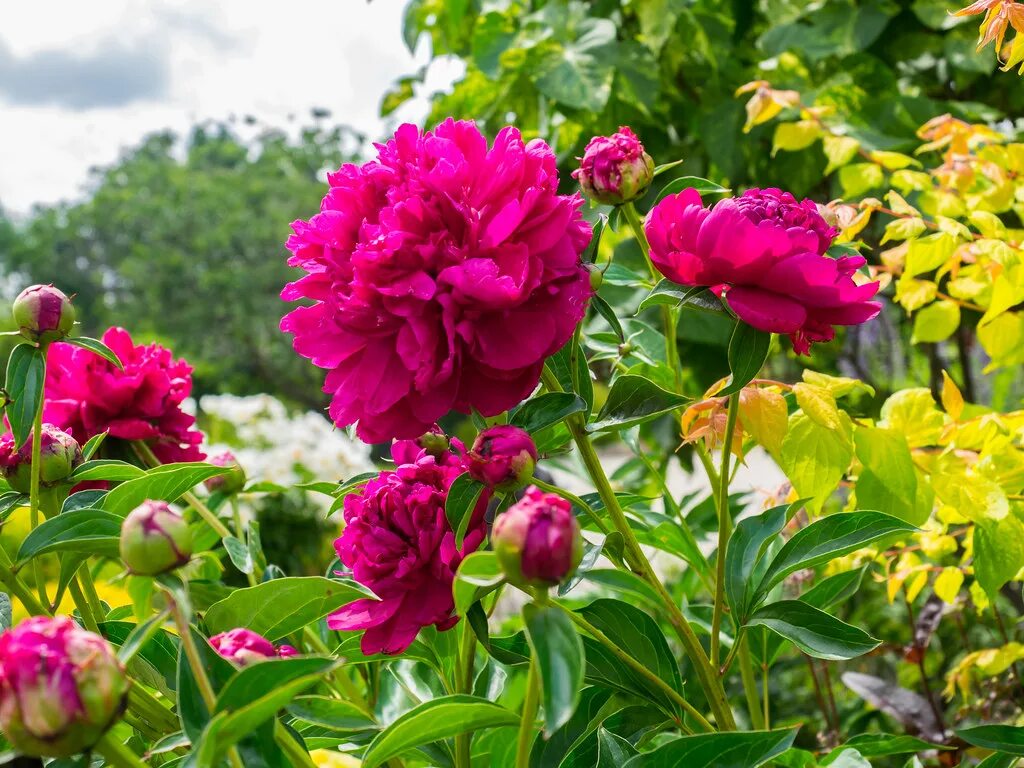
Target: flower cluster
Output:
[
  {"x": 61, "y": 687},
  {"x": 87, "y": 395},
  {"x": 243, "y": 647},
  {"x": 398, "y": 543},
  {"x": 443, "y": 273},
  {"x": 764, "y": 254}
]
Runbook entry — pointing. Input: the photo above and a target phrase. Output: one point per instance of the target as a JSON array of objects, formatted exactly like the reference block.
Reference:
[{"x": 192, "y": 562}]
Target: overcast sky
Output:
[{"x": 79, "y": 81}]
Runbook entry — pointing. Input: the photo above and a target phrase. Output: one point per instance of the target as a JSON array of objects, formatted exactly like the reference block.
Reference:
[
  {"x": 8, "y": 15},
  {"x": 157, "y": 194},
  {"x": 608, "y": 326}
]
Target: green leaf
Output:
[
  {"x": 266, "y": 683},
  {"x": 675, "y": 295},
  {"x": 612, "y": 750},
  {"x": 884, "y": 744},
  {"x": 1001, "y": 738},
  {"x": 26, "y": 371},
  {"x": 90, "y": 531},
  {"x": 140, "y": 635},
  {"x": 82, "y": 500},
  {"x": 835, "y": 589},
  {"x": 105, "y": 469},
  {"x": 10, "y": 501},
  {"x": 828, "y": 538},
  {"x": 889, "y": 481},
  {"x": 439, "y": 718},
  {"x": 634, "y": 400},
  {"x": 463, "y": 497},
  {"x": 604, "y": 309},
  {"x": 239, "y": 553},
  {"x": 578, "y": 73},
  {"x": 192, "y": 709},
  {"x": 815, "y": 457},
  {"x": 703, "y": 186},
  {"x": 547, "y": 409},
  {"x": 590, "y": 254},
  {"x": 164, "y": 483},
  {"x": 936, "y": 322},
  {"x": 1000, "y": 760},
  {"x": 561, "y": 365},
  {"x": 747, "y": 545},
  {"x": 326, "y": 712},
  {"x": 96, "y": 347},
  {"x": 717, "y": 750},
  {"x": 814, "y": 632},
  {"x": 154, "y": 662},
  {"x": 92, "y": 445},
  {"x": 558, "y": 652},
  {"x": 748, "y": 349},
  {"x": 998, "y": 551},
  {"x": 479, "y": 574},
  {"x": 281, "y": 606}
]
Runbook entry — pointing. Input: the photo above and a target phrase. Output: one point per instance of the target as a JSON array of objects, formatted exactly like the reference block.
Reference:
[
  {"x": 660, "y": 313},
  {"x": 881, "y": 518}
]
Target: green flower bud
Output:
[
  {"x": 43, "y": 314},
  {"x": 155, "y": 539}
]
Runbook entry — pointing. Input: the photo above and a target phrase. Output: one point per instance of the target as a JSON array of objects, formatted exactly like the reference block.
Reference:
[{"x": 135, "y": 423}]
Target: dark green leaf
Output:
[
  {"x": 590, "y": 254},
  {"x": 717, "y": 750},
  {"x": 82, "y": 500},
  {"x": 748, "y": 349},
  {"x": 164, "y": 483},
  {"x": 478, "y": 575},
  {"x": 92, "y": 445},
  {"x": 140, "y": 635},
  {"x": 558, "y": 652},
  {"x": 335, "y": 714},
  {"x": 439, "y": 718},
  {"x": 884, "y": 744},
  {"x": 90, "y": 531},
  {"x": 747, "y": 545},
  {"x": 547, "y": 409},
  {"x": 97, "y": 347},
  {"x": 671, "y": 294},
  {"x": 612, "y": 751},
  {"x": 835, "y": 589},
  {"x": 153, "y": 662},
  {"x": 1001, "y": 738},
  {"x": 561, "y": 365},
  {"x": 828, "y": 538},
  {"x": 10, "y": 501},
  {"x": 239, "y": 553},
  {"x": 105, "y": 469},
  {"x": 605, "y": 310},
  {"x": 633, "y": 400},
  {"x": 463, "y": 497},
  {"x": 814, "y": 632},
  {"x": 192, "y": 709},
  {"x": 281, "y": 606},
  {"x": 26, "y": 370},
  {"x": 703, "y": 186}
]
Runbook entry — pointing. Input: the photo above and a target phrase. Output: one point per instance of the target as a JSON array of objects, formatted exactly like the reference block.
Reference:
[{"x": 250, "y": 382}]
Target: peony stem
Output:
[
  {"x": 668, "y": 317},
  {"x": 35, "y": 469},
  {"x": 18, "y": 588},
  {"x": 464, "y": 684},
  {"x": 724, "y": 527},
  {"x": 242, "y": 535},
  {"x": 750, "y": 683},
  {"x": 292, "y": 748},
  {"x": 639, "y": 668},
  {"x": 529, "y": 716},
  {"x": 573, "y": 499},
  {"x": 118, "y": 754}
]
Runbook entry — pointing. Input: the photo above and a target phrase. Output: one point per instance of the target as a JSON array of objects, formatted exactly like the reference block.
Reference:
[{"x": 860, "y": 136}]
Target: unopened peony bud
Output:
[
  {"x": 502, "y": 458},
  {"x": 61, "y": 687},
  {"x": 537, "y": 540},
  {"x": 59, "y": 455},
  {"x": 615, "y": 169},
  {"x": 231, "y": 482},
  {"x": 155, "y": 539},
  {"x": 435, "y": 442},
  {"x": 43, "y": 314},
  {"x": 243, "y": 646},
  {"x": 596, "y": 277}
]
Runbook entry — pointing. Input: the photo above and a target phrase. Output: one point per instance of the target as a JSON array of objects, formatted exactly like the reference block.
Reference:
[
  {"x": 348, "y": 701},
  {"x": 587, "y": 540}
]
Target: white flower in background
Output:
[{"x": 277, "y": 446}]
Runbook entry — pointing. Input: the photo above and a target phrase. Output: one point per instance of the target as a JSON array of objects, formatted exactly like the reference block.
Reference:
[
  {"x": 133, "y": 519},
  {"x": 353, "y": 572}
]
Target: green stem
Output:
[
  {"x": 88, "y": 617},
  {"x": 529, "y": 716},
  {"x": 724, "y": 527},
  {"x": 668, "y": 317},
  {"x": 147, "y": 707},
  {"x": 35, "y": 470},
  {"x": 638, "y": 560},
  {"x": 292, "y": 749},
  {"x": 15, "y": 586},
  {"x": 118, "y": 754},
  {"x": 241, "y": 535},
  {"x": 89, "y": 587},
  {"x": 464, "y": 683},
  {"x": 750, "y": 683},
  {"x": 637, "y": 667}
]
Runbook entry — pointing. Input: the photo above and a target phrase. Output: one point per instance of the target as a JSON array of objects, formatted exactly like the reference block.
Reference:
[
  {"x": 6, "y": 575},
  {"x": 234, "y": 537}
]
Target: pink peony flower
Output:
[
  {"x": 61, "y": 687},
  {"x": 764, "y": 254},
  {"x": 442, "y": 274},
  {"x": 398, "y": 543},
  {"x": 243, "y": 646},
  {"x": 615, "y": 169},
  {"x": 87, "y": 395},
  {"x": 537, "y": 540}
]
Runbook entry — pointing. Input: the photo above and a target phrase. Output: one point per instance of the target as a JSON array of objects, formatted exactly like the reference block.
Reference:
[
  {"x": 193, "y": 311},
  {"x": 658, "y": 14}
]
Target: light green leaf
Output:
[
  {"x": 815, "y": 458},
  {"x": 164, "y": 483},
  {"x": 463, "y": 498},
  {"x": 936, "y": 322},
  {"x": 90, "y": 531},
  {"x": 998, "y": 551},
  {"x": 479, "y": 574}
]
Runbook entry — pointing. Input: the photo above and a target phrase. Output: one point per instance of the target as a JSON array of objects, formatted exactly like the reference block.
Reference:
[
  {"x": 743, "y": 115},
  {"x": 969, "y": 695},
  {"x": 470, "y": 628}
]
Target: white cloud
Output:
[{"x": 272, "y": 60}]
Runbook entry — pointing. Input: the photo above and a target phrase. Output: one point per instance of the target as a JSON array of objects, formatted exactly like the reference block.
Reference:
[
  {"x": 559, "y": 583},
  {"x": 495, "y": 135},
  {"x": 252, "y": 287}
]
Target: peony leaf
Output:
[
  {"x": 90, "y": 531},
  {"x": 479, "y": 574},
  {"x": 703, "y": 187},
  {"x": 717, "y": 750},
  {"x": 105, "y": 469},
  {"x": 463, "y": 496},
  {"x": 746, "y": 547},
  {"x": 97, "y": 347},
  {"x": 748, "y": 349},
  {"x": 26, "y": 370},
  {"x": 545, "y": 410},
  {"x": 557, "y": 651},
  {"x": 164, "y": 483},
  {"x": 814, "y": 632},
  {"x": 633, "y": 400},
  {"x": 1008, "y": 739}
]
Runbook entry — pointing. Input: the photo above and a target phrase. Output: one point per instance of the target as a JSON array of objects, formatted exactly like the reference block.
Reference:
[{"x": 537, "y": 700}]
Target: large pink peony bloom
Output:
[
  {"x": 398, "y": 543},
  {"x": 443, "y": 273},
  {"x": 764, "y": 253},
  {"x": 87, "y": 395}
]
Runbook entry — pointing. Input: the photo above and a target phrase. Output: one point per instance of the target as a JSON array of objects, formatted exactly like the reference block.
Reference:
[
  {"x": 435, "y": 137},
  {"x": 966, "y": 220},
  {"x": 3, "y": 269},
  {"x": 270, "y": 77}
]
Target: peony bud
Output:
[
  {"x": 61, "y": 687},
  {"x": 435, "y": 442},
  {"x": 615, "y": 169},
  {"x": 155, "y": 539},
  {"x": 537, "y": 540},
  {"x": 243, "y": 646},
  {"x": 59, "y": 455},
  {"x": 233, "y": 481},
  {"x": 502, "y": 458},
  {"x": 596, "y": 277},
  {"x": 43, "y": 314}
]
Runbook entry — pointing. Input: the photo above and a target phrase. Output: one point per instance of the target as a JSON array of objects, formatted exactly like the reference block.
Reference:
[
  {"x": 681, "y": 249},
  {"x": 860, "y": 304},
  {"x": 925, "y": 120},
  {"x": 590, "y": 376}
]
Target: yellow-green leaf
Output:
[
  {"x": 936, "y": 322},
  {"x": 903, "y": 229},
  {"x": 818, "y": 403},
  {"x": 913, "y": 294},
  {"x": 893, "y": 161},
  {"x": 947, "y": 584},
  {"x": 795, "y": 136},
  {"x": 928, "y": 253},
  {"x": 859, "y": 178},
  {"x": 839, "y": 150},
  {"x": 815, "y": 458}
]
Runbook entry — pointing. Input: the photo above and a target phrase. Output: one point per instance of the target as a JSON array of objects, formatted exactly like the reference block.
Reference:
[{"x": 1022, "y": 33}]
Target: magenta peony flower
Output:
[
  {"x": 243, "y": 646},
  {"x": 398, "y": 543},
  {"x": 443, "y": 273},
  {"x": 503, "y": 457},
  {"x": 87, "y": 395},
  {"x": 537, "y": 540},
  {"x": 764, "y": 254},
  {"x": 61, "y": 687},
  {"x": 615, "y": 169},
  {"x": 59, "y": 454}
]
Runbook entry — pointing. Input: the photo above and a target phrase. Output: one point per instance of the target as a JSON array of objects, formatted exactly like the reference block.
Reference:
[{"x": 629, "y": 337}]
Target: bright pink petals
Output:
[
  {"x": 398, "y": 543},
  {"x": 442, "y": 274},
  {"x": 243, "y": 646},
  {"x": 763, "y": 253},
  {"x": 87, "y": 395}
]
